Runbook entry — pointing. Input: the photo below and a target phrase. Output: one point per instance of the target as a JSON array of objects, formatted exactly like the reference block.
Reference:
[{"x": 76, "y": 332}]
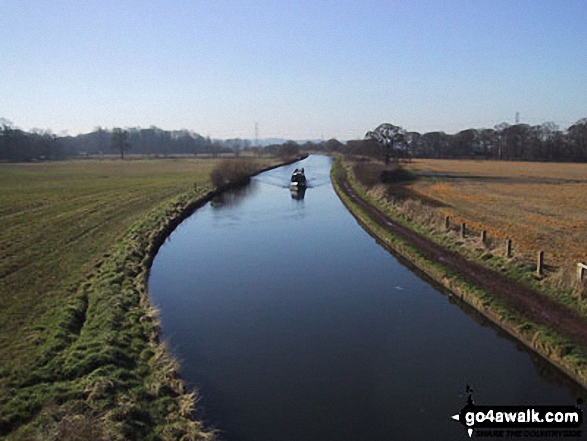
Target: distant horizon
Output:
[{"x": 64, "y": 133}]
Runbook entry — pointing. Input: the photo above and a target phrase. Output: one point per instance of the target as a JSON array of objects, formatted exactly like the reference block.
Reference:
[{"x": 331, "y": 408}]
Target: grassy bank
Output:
[
  {"x": 424, "y": 201},
  {"x": 548, "y": 340},
  {"x": 79, "y": 349}
]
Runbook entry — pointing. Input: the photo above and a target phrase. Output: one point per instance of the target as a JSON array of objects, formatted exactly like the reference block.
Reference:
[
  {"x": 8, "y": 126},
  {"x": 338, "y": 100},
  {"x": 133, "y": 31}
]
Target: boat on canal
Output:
[{"x": 298, "y": 179}]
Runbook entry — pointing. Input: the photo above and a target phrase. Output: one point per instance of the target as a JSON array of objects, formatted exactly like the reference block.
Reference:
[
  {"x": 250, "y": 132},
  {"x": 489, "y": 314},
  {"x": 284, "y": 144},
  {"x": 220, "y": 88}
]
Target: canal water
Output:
[{"x": 294, "y": 324}]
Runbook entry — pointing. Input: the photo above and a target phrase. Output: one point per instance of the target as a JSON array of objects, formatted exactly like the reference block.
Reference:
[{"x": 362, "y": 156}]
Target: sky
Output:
[{"x": 305, "y": 69}]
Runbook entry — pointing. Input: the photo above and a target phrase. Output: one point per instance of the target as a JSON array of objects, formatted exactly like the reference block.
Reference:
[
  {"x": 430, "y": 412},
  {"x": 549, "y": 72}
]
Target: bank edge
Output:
[
  {"x": 542, "y": 341},
  {"x": 109, "y": 374}
]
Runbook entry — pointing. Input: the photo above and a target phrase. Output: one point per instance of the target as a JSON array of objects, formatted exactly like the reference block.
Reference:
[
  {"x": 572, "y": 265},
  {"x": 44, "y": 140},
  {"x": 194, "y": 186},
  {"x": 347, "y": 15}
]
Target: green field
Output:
[{"x": 78, "y": 342}]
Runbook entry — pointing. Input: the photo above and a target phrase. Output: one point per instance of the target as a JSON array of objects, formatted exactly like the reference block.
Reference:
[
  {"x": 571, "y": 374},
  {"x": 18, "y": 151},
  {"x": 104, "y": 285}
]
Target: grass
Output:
[
  {"x": 79, "y": 347},
  {"x": 537, "y": 205},
  {"x": 554, "y": 347},
  {"x": 58, "y": 219}
]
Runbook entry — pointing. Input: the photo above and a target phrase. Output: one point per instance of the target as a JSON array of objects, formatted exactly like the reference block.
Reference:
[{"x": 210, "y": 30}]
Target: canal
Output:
[{"x": 295, "y": 324}]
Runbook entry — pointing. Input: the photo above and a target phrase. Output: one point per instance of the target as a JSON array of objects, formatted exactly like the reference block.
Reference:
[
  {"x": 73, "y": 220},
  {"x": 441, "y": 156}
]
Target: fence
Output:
[{"x": 581, "y": 275}]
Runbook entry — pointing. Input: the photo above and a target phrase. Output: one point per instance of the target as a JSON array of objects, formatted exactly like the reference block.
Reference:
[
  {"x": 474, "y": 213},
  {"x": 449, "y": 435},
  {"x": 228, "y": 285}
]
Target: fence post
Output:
[
  {"x": 581, "y": 267},
  {"x": 463, "y": 230},
  {"x": 483, "y": 237},
  {"x": 540, "y": 263},
  {"x": 508, "y": 248},
  {"x": 447, "y": 223}
]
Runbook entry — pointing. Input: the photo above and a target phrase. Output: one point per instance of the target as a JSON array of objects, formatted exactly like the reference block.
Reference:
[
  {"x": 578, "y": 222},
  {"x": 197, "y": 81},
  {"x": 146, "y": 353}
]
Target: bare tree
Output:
[{"x": 120, "y": 141}]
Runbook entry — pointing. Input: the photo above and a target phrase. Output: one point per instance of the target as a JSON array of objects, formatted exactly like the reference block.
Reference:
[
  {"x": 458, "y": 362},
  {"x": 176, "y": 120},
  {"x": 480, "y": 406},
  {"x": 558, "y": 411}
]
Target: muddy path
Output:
[{"x": 535, "y": 306}]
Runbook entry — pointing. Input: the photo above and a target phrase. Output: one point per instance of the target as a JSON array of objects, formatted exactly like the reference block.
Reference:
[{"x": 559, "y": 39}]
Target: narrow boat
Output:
[{"x": 298, "y": 179}]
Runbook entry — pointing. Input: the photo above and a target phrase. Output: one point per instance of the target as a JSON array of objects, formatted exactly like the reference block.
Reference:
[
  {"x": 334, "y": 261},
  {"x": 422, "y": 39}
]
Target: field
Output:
[
  {"x": 74, "y": 326},
  {"x": 540, "y": 206},
  {"x": 56, "y": 219}
]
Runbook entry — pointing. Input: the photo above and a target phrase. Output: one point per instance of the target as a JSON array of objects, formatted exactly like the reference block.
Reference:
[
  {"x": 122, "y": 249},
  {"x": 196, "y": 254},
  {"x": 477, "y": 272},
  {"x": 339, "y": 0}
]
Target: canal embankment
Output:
[
  {"x": 552, "y": 330},
  {"x": 102, "y": 371}
]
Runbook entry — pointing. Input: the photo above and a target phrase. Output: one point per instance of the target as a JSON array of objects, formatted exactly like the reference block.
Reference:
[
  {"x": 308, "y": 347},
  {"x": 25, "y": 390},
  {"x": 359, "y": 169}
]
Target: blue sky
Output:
[{"x": 301, "y": 69}]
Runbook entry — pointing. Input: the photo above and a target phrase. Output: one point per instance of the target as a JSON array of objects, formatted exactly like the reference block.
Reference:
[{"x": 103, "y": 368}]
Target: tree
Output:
[
  {"x": 435, "y": 144},
  {"x": 6, "y": 139},
  {"x": 502, "y": 144},
  {"x": 288, "y": 149},
  {"x": 552, "y": 140},
  {"x": 120, "y": 141},
  {"x": 413, "y": 144},
  {"x": 487, "y": 141},
  {"x": 577, "y": 134},
  {"x": 392, "y": 138},
  {"x": 333, "y": 145},
  {"x": 516, "y": 140},
  {"x": 165, "y": 138},
  {"x": 100, "y": 139},
  {"x": 216, "y": 147},
  {"x": 463, "y": 143},
  {"x": 256, "y": 150}
]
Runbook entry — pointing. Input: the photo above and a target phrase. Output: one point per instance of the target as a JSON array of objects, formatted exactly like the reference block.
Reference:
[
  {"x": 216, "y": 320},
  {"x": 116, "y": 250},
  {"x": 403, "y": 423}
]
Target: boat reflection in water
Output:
[{"x": 297, "y": 193}]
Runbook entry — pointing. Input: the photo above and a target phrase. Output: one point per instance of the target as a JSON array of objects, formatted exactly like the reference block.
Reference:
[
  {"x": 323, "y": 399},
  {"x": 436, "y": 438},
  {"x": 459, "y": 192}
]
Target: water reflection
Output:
[
  {"x": 298, "y": 193},
  {"x": 546, "y": 370},
  {"x": 234, "y": 197},
  {"x": 295, "y": 324}
]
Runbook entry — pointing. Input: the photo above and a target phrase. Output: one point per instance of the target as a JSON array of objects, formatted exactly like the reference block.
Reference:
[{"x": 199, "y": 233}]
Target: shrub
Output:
[
  {"x": 370, "y": 174},
  {"x": 233, "y": 171}
]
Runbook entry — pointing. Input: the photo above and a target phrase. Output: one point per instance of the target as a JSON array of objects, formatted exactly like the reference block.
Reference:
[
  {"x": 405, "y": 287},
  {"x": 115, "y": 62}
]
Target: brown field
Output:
[{"x": 540, "y": 206}]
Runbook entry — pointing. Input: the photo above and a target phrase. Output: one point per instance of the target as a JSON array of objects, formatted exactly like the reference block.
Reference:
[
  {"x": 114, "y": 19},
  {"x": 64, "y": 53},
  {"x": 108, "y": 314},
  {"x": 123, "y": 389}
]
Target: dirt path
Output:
[{"x": 535, "y": 306}]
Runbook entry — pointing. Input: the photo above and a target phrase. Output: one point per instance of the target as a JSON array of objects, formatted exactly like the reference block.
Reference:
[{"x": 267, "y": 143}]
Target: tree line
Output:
[
  {"x": 544, "y": 142},
  {"x": 20, "y": 145}
]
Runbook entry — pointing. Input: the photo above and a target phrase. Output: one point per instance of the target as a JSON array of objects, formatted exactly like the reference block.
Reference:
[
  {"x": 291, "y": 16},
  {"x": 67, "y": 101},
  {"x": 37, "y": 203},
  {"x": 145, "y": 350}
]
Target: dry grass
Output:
[
  {"x": 541, "y": 206},
  {"x": 234, "y": 171}
]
